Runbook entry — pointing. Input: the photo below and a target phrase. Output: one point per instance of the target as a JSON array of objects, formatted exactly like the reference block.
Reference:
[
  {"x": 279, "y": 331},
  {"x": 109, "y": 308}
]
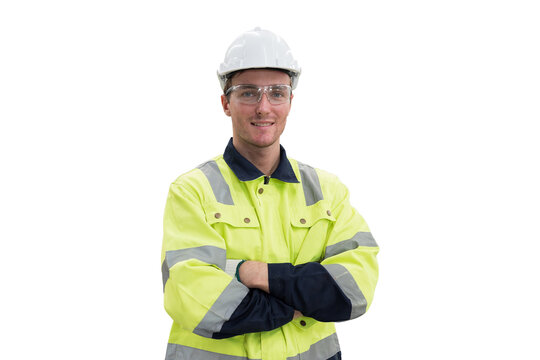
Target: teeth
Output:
[{"x": 262, "y": 125}]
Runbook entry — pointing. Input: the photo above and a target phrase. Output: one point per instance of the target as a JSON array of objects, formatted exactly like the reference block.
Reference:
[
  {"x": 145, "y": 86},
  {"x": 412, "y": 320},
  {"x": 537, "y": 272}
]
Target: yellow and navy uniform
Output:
[{"x": 320, "y": 252}]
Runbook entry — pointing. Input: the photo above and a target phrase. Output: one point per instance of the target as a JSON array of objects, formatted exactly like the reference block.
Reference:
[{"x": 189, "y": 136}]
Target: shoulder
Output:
[
  {"x": 304, "y": 170},
  {"x": 197, "y": 179},
  {"x": 329, "y": 183}
]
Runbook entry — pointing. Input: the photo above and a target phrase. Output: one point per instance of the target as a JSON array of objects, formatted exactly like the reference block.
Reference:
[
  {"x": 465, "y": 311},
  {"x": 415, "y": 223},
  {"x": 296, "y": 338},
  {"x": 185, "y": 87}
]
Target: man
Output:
[{"x": 261, "y": 253}]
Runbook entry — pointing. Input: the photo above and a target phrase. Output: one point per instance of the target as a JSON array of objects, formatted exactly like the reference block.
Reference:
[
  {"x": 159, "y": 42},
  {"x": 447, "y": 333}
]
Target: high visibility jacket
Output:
[{"x": 321, "y": 256}]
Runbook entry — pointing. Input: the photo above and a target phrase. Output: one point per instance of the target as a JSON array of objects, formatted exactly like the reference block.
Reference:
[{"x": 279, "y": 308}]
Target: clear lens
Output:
[
  {"x": 279, "y": 94},
  {"x": 251, "y": 94},
  {"x": 247, "y": 94}
]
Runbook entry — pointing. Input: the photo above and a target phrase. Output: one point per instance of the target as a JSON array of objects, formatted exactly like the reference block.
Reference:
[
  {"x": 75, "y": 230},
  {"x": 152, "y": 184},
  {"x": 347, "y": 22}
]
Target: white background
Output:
[{"x": 427, "y": 110}]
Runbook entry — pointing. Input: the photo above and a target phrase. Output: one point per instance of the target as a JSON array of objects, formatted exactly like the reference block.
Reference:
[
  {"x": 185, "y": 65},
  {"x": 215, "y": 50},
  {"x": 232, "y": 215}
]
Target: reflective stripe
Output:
[
  {"x": 324, "y": 349},
  {"x": 346, "y": 282},
  {"x": 359, "y": 239},
  {"x": 164, "y": 273},
  {"x": 209, "y": 254},
  {"x": 222, "y": 309},
  {"x": 230, "y": 267},
  {"x": 310, "y": 183},
  {"x": 221, "y": 189},
  {"x": 181, "y": 352},
  {"x": 321, "y": 350}
]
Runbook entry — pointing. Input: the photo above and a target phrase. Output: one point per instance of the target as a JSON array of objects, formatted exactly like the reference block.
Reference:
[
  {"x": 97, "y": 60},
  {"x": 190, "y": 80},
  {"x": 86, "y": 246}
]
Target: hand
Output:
[
  {"x": 297, "y": 314},
  {"x": 254, "y": 275}
]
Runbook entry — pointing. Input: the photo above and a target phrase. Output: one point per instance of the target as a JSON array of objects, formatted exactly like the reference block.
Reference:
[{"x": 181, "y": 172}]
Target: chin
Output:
[{"x": 263, "y": 144}]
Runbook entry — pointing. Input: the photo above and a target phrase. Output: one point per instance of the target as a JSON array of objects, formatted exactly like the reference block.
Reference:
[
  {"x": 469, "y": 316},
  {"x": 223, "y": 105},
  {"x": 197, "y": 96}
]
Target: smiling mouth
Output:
[{"x": 264, "y": 124}]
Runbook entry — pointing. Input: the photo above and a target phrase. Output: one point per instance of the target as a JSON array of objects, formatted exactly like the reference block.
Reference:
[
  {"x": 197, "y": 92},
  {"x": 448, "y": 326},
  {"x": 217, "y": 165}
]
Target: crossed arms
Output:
[{"x": 204, "y": 299}]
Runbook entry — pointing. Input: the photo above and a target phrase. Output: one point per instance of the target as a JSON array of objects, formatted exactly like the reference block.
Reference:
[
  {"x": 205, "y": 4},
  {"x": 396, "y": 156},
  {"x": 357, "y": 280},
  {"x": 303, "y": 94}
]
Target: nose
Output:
[{"x": 263, "y": 106}]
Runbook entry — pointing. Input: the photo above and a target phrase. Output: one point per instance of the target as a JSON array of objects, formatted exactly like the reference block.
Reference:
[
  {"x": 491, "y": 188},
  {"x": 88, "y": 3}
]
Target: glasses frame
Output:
[{"x": 260, "y": 91}]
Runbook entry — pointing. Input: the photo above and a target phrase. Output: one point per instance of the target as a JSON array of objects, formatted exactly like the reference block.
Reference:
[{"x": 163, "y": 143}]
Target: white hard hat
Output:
[{"x": 257, "y": 49}]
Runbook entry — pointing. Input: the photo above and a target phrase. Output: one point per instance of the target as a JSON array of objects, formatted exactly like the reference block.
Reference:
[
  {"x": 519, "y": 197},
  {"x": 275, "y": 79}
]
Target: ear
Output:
[
  {"x": 225, "y": 104},
  {"x": 290, "y": 101}
]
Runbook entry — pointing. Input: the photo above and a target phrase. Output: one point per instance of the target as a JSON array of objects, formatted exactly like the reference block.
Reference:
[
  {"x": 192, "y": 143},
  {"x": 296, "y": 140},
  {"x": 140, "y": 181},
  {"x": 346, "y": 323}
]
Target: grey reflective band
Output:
[
  {"x": 359, "y": 239},
  {"x": 222, "y": 309},
  {"x": 164, "y": 272},
  {"x": 321, "y": 350},
  {"x": 181, "y": 352},
  {"x": 346, "y": 282},
  {"x": 208, "y": 254},
  {"x": 221, "y": 189},
  {"x": 230, "y": 266},
  {"x": 310, "y": 184}
]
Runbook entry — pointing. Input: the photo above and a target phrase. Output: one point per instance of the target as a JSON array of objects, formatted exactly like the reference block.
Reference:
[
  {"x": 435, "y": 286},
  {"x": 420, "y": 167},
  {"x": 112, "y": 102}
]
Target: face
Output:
[{"x": 259, "y": 125}]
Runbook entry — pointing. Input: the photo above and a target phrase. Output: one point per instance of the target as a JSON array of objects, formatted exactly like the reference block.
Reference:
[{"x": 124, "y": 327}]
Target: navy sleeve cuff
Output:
[
  {"x": 310, "y": 289},
  {"x": 258, "y": 311}
]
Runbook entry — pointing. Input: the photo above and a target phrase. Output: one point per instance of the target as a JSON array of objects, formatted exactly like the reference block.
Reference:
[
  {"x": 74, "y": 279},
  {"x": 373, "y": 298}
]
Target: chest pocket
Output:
[
  {"x": 238, "y": 226},
  {"x": 310, "y": 226},
  {"x": 308, "y": 216}
]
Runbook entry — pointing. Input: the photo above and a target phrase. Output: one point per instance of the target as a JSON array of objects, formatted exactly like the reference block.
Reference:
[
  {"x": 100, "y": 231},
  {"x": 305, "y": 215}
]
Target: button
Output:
[
  {"x": 246, "y": 220},
  {"x": 302, "y": 221},
  {"x": 217, "y": 215},
  {"x": 302, "y": 322},
  {"x": 328, "y": 212},
  {"x": 261, "y": 190}
]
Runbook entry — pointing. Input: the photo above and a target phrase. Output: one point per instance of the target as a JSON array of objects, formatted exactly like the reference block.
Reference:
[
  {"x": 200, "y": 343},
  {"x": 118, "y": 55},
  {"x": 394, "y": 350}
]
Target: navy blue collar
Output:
[{"x": 246, "y": 171}]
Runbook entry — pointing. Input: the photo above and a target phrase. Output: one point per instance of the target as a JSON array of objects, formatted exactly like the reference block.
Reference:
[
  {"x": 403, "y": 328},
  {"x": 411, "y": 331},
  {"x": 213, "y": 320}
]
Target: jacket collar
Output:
[{"x": 246, "y": 171}]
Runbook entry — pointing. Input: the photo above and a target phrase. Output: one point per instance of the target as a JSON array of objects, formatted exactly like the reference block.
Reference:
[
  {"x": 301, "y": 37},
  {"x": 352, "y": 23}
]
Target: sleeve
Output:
[
  {"x": 198, "y": 294},
  {"x": 342, "y": 285}
]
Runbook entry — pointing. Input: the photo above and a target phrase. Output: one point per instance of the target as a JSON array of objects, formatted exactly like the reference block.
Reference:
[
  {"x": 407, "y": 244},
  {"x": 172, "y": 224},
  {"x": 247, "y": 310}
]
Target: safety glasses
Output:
[{"x": 252, "y": 94}]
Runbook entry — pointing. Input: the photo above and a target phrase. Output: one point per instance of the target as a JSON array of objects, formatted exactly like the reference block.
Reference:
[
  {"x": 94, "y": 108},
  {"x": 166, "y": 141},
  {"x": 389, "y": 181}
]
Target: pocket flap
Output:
[
  {"x": 304, "y": 322},
  {"x": 307, "y": 216},
  {"x": 237, "y": 216}
]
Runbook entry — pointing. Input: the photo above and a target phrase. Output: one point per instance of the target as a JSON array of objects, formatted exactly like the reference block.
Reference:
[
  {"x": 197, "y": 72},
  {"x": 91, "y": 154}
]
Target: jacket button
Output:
[
  {"x": 302, "y": 322},
  {"x": 261, "y": 190},
  {"x": 302, "y": 221},
  {"x": 328, "y": 212},
  {"x": 217, "y": 215},
  {"x": 246, "y": 220}
]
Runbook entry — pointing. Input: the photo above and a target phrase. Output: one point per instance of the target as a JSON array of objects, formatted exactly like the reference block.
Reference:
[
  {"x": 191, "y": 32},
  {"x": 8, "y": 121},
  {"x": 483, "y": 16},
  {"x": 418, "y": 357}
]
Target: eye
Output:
[
  {"x": 247, "y": 92},
  {"x": 278, "y": 94}
]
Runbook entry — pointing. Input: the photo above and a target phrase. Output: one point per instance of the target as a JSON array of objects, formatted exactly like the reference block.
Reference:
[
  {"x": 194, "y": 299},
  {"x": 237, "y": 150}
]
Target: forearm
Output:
[
  {"x": 311, "y": 289},
  {"x": 235, "y": 311},
  {"x": 323, "y": 292},
  {"x": 254, "y": 275},
  {"x": 258, "y": 311}
]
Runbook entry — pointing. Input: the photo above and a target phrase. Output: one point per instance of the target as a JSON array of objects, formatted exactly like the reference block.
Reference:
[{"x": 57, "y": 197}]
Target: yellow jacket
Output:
[{"x": 321, "y": 256}]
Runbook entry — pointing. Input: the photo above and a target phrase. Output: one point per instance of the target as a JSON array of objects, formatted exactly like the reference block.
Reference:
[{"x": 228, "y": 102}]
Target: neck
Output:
[{"x": 265, "y": 159}]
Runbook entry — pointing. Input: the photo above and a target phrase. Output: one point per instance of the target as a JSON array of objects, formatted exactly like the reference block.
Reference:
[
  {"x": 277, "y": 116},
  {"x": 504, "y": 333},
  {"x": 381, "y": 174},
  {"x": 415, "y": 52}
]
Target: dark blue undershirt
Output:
[{"x": 246, "y": 171}]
